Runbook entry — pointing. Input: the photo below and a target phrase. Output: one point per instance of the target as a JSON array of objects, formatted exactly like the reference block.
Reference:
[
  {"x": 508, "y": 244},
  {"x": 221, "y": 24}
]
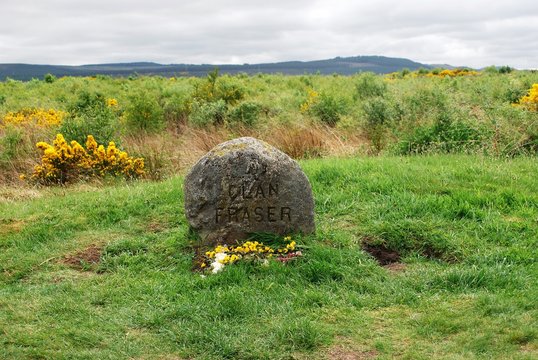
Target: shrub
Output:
[
  {"x": 369, "y": 85},
  {"x": 530, "y": 101},
  {"x": 328, "y": 108},
  {"x": 245, "y": 113},
  {"x": 505, "y": 69},
  {"x": 144, "y": 113},
  {"x": 208, "y": 113},
  {"x": 325, "y": 107},
  {"x": 63, "y": 162},
  {"x": 215, "y": 88},
  {"x": 34, "y": 116},
  {"x": 513, "y": 94},
  {"x": 90, "y": 114},
  {"x": 378, "y": 114},
  {"x": 49, "y": 78},
  {"x": 177, "y": 106},
  {"x": 445, "y": 136}
]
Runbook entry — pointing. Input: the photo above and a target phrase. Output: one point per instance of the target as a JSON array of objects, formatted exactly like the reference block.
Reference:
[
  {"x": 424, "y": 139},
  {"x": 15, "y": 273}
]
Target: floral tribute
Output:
[
  {"x": 63, "y": 162},
  {"x": 216, "y": 259}
]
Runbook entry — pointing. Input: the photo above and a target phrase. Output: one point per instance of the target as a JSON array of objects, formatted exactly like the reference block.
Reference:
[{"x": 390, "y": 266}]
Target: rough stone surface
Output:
[{"x": 247, "y": 186}]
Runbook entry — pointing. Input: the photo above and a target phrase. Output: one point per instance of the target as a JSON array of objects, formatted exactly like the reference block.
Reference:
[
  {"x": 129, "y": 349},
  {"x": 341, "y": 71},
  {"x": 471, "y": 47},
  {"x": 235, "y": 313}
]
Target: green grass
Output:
[{"x": 466, "y": 227}]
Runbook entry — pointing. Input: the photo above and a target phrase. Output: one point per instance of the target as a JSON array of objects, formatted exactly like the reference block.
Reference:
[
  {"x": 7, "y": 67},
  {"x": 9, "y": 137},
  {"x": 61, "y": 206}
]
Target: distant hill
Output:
[{"x": 338, "y": 65}]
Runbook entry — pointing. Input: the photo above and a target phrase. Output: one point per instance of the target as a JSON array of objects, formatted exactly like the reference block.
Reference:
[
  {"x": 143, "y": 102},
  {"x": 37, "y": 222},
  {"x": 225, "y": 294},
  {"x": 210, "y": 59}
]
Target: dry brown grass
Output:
[
  {"x": 177, "y": 149},
  {"x": 312, "y": 140}
]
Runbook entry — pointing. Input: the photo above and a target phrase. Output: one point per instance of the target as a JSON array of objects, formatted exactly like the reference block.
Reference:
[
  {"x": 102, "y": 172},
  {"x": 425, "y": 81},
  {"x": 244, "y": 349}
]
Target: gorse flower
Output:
[
  {"x": 62, "y": 161},
  {"x": 112, "y": 102},
  {"x": 312, "y": 99},
  {"x": 435, "y": 73},
  {"x": 39, "y": 117},
  {"x": 530, "y": 101}
]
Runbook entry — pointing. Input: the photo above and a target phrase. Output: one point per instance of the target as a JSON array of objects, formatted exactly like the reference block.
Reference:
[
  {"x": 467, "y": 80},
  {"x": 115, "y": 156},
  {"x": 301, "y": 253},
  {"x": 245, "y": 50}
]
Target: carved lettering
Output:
[
  {"x": 232, "y": 214},
  {"x": 246, "y": 215},
  {"x": 273, "y": 189},
  {"x": 258, "y": 214},
  {"x": 258, "y": 211},
  {"x": 259, "y": 191},
  {"x": 271, "y": 214},
  {"x": 253, "y": 191},
  {"x": 218, "y": 215},
  {"x": 285, "y": 212}
]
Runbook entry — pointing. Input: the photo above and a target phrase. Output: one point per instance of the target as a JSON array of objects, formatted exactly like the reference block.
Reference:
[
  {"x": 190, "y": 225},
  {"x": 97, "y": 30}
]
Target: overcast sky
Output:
[{"x": 475, "y": 33}]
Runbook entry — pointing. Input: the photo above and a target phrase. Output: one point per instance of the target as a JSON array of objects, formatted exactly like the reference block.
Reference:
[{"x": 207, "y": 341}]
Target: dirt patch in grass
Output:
[
  {"x": 155, "y": 227},
  {"x": 10, "y": 226},
  {"x": 395, "y": 267},
  {"x": 341, "y": 353},
  {"x": 84, "y": 260},
  {"x": 381, "y": 253}
]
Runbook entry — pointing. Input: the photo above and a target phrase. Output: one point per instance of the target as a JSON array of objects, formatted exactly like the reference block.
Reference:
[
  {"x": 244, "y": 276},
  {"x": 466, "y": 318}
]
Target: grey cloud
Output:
[{"x": 475, "y": 33}]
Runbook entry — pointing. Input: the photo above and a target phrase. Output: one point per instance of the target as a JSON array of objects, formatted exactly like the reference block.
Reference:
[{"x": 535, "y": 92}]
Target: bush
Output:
[
  {"x": 90, "y": 114},
  {"x": 63, "y": 162},
  {"x": 34, "y": 116},
  {"x": 49, "y": 78},
  {"x": 144, "y": 113},
  {"x": 208, "y": 113},
  {"x": 379, "y": 114},
  {"x": 513, "y": 94},
  {"x": 245, "y": 113},
  {"x": 328, "y": 109},
  {"x": 177, "y": 106},
  {"x": 215, "y": 88},
  {"x": 446, "y": 136},
  {"x": 369, "y": 85},
  {"x": 530, "y": 101},
  {"x": 505, "y": 69}
]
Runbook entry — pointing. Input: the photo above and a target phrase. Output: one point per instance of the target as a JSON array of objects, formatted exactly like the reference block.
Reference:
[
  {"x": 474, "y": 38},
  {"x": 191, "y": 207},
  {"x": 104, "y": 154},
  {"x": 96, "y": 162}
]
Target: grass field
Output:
[
  {"x": 171, "y": 122},
  {"x": 91, "y": 272}
]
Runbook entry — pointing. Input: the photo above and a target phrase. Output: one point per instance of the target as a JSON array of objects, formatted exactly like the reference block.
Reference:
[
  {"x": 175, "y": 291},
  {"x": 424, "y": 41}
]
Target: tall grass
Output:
[{"x": 307, "y": 116}]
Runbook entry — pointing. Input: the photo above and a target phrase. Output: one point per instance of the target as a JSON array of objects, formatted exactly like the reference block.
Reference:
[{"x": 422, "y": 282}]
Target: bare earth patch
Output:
[
  {"x": 382, "y": 254},
  {"x": 84, "y": 260}
]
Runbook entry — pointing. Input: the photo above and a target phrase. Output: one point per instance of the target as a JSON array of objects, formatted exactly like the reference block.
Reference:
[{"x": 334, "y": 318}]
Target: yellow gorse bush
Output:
[
  {"x": 312, "y": 98},
  {"x": 530, "y": 101},
  {"x": 453, "y": 73},
  {"x": 37, "y": 116},
  {"x": 433, "y": 74},
  {"x": 111, "y": 102},
  {"x": 62, "y": 162}
]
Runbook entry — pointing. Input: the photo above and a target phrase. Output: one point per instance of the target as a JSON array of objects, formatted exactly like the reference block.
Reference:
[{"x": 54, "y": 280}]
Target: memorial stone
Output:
[{"x": 246, "y": 186}]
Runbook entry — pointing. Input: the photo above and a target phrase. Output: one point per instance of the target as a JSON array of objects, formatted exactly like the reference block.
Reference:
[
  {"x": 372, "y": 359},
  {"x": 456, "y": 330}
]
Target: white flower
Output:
[
  {"x": 217, "y": 266},
  {"x": 220, "y": 256}
]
